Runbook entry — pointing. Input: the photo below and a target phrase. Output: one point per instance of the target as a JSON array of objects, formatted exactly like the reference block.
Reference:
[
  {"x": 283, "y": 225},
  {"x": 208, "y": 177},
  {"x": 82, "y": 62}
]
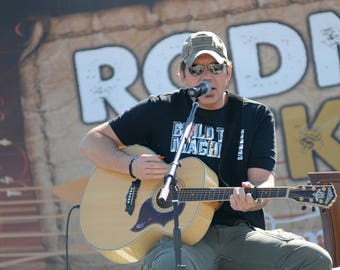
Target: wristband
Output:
[{"x": 130, "y": 167}]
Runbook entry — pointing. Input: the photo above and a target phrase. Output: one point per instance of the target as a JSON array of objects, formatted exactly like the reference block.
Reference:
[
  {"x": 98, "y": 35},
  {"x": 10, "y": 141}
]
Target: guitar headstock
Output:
[{"x": 317, "y": 195}]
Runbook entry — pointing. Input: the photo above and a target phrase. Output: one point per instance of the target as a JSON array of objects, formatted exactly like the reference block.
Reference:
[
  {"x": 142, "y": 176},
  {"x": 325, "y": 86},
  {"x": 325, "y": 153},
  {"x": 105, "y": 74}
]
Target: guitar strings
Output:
[{"x": 299, "y": 193}]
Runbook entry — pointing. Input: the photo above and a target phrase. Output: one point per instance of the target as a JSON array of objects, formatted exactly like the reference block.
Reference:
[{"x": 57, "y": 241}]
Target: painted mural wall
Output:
[{"x": 79, "y": 70}]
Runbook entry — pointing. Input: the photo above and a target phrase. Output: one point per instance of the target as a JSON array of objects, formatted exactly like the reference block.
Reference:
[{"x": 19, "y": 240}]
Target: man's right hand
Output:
[{"x": 149, "y": 167}]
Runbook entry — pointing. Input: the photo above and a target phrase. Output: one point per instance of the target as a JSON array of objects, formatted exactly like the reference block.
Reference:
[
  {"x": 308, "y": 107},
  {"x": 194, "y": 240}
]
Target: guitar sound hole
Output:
[{"x": 164, "y": 204}]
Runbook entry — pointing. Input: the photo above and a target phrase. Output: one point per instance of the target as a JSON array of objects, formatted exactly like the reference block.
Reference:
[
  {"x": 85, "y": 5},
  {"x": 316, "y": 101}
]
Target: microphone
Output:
[{"x": 201, "y": 89}]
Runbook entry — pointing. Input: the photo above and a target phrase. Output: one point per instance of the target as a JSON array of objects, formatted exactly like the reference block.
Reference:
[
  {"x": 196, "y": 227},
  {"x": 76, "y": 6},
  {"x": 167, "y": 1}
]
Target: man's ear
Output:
[
  {"x": 229, "y": 70},
  {"x": 181, "y": 75}
]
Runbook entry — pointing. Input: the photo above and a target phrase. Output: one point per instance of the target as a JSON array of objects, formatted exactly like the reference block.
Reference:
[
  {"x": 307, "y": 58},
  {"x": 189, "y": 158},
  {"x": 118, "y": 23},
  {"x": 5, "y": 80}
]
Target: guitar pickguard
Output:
[{"x": 149, "y": 215}]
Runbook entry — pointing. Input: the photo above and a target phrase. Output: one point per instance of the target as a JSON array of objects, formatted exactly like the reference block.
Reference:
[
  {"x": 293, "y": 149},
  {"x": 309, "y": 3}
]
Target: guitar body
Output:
[
  {"x": 123, "y": 218},
  {"x": 125, "y": 237}
]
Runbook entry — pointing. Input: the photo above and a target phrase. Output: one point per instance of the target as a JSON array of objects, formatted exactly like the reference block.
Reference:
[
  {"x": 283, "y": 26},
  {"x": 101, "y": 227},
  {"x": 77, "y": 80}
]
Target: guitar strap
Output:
[
  {"x": 231, "y": 170},
  {"x": 233, "y": 165}
]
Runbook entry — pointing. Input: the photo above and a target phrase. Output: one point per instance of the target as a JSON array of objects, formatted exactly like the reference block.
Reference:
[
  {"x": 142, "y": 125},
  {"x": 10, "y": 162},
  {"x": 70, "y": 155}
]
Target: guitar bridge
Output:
[{"x": 131, "y": 197}]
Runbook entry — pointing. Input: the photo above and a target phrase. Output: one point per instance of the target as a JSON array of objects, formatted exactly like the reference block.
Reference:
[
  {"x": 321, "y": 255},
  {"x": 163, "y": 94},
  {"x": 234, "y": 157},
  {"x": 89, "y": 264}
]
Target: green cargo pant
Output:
[{"x": 241, "y": 247}]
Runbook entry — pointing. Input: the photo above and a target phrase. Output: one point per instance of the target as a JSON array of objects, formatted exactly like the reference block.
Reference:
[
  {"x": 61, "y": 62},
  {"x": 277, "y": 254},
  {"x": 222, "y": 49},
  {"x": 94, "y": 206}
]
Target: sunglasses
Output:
[{"x": 213, "y": 68}]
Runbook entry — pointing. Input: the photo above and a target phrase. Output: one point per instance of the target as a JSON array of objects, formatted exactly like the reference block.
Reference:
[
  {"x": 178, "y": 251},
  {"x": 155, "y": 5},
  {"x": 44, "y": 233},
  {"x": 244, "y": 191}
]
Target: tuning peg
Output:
[
  {"x": 313, "y": 209},
  {"x": 303, "y": 207}
]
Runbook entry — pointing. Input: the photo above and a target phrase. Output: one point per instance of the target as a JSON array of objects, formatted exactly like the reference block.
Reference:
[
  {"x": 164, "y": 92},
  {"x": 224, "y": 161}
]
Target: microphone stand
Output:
[{"x": 170, "y": 181}]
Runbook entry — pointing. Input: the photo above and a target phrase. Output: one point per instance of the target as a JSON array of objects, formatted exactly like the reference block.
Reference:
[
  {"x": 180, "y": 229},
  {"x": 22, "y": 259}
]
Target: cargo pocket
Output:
[{"x": 279, "y": 234}]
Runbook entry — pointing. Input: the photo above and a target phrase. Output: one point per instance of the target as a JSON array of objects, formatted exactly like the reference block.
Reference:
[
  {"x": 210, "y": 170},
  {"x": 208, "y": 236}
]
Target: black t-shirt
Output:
[{"x": 159, "y": 121}]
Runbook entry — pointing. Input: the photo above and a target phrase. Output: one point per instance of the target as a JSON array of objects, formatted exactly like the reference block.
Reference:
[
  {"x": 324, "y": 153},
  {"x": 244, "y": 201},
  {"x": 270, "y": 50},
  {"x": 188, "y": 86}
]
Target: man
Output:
[{"x": 235, "y": 137}]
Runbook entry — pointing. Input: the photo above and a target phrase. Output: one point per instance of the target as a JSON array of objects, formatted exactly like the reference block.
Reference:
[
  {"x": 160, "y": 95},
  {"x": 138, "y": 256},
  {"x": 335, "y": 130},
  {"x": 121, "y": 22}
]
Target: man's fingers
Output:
[
  {"x": 249, "y": 199},
  {"x": 240, "y": 200}
]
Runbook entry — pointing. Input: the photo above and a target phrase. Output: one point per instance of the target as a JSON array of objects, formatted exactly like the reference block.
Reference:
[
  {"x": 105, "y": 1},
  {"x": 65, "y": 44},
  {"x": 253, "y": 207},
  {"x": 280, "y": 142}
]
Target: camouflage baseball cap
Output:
[{"x": 204, "y": 42}]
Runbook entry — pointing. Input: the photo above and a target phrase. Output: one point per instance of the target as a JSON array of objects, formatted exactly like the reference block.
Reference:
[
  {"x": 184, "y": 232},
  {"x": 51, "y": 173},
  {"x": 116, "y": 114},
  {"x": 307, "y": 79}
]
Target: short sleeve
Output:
[
  {"x": 133, "y": 126},
  {"x": 263, "y": 149}
]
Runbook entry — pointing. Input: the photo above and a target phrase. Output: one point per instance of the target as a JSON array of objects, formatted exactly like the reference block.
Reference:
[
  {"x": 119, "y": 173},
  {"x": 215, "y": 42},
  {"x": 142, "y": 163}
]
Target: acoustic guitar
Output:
[{"x": 122, "y": 218}]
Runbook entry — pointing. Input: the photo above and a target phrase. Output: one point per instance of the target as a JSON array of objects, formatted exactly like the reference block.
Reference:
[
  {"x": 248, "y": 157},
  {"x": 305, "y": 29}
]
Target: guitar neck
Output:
[{"x": 223, "y": 193}]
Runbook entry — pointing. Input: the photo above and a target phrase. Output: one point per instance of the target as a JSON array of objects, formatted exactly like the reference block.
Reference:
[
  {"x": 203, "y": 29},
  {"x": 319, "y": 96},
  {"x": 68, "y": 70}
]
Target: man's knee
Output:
[
  {"x": 165, "y": 260},
  {"x": 316, "y": 257},
  {"x": 322, "y": 259}
]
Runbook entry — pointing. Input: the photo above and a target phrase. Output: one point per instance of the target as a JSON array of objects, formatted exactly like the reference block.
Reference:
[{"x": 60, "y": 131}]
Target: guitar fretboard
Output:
[{"x": 223, "y": 193}]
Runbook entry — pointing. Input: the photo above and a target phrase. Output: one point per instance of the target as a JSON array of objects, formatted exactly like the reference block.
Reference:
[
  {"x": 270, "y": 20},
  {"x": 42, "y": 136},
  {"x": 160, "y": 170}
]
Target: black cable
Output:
[{"x": 67, "y": 224}]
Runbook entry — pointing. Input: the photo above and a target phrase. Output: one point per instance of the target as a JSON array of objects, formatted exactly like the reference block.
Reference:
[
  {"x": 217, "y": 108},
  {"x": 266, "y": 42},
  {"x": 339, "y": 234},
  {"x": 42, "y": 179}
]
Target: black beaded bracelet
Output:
[{"x": 130, "y": 167}]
